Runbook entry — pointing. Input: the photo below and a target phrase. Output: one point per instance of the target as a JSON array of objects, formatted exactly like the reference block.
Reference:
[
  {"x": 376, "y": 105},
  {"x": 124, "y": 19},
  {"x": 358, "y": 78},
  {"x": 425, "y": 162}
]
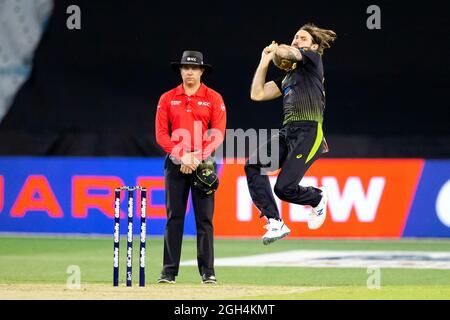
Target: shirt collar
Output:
[{"x": 201, "y": 92}]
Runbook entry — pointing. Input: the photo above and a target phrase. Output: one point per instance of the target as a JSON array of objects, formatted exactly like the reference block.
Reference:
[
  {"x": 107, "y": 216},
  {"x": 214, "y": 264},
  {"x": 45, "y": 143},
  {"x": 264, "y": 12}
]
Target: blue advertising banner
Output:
[
  {"x": 76, "y": 195},
  {"x": 430, "y": 212}
]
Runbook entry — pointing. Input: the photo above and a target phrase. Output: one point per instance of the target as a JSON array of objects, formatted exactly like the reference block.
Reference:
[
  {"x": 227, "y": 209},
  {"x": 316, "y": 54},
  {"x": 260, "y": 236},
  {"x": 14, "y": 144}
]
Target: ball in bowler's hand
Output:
[{"x": 280, "y": 61}]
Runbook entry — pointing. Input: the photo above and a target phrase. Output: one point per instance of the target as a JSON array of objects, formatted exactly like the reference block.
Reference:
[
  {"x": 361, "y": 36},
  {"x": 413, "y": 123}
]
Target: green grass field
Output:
[{"x": 36, "y": 268}]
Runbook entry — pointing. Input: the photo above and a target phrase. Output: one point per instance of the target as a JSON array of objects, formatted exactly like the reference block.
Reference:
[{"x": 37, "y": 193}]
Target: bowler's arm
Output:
[
  {"x": 289, "y": 53},
  {"x": 260, "y": 89},
  {"x": 264, "y": 91}
]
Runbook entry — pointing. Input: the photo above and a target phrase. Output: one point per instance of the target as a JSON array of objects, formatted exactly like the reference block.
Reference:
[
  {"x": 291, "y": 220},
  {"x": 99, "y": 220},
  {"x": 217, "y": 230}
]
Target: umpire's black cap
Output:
[{"x": 194, "y": 58}]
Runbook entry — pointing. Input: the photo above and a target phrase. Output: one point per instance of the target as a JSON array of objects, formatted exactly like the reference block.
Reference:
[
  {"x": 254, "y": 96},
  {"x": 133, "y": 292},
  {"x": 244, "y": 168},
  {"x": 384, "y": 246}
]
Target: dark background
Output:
[{"x": 94, "y": 91}]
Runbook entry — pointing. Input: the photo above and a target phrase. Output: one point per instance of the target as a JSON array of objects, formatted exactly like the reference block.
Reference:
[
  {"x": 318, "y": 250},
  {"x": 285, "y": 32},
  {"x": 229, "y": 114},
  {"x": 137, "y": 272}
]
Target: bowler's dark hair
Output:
[{"x": 321, "y": 37}]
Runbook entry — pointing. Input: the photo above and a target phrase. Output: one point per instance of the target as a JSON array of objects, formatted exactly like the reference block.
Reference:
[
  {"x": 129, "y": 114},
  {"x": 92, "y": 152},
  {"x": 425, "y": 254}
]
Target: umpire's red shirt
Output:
[{"x": 182, "y": 121}]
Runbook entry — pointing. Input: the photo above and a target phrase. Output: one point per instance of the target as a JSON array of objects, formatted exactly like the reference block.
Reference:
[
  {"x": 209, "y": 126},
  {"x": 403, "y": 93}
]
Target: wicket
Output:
[{"x": 143, "y": 231}]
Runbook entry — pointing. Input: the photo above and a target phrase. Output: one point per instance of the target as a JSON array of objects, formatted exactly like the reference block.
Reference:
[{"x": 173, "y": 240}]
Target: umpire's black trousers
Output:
[
  {"x": 299, "y": 145},
  {"x": 177, "y": 187}
]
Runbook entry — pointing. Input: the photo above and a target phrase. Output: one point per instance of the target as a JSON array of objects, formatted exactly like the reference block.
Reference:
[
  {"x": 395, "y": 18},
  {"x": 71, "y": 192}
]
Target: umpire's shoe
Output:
[
  {"x": 166, "y": 278},
  {"x": 209, "y": 279}
]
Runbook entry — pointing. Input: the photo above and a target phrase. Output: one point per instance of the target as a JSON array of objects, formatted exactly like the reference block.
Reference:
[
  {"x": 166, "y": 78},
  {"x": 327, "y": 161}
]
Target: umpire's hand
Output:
[
  {"x": 184, "y": 169},
  {"x": 190, "y": 161}
]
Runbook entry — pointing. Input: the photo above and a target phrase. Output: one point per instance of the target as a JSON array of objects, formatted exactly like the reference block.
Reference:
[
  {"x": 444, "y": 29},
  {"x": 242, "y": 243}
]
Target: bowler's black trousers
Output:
[
  {"x": 299, "y": 145},
  {"x": 177, "y": 187}
]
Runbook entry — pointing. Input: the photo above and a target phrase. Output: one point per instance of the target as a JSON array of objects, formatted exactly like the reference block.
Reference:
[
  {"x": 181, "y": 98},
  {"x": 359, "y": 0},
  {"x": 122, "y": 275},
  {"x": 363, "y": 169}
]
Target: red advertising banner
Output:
[{"x": 366, "y": 198}]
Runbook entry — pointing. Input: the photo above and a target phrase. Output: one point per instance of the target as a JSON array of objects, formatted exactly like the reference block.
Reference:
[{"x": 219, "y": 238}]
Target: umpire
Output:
[{"x": 190, "y": 125}]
